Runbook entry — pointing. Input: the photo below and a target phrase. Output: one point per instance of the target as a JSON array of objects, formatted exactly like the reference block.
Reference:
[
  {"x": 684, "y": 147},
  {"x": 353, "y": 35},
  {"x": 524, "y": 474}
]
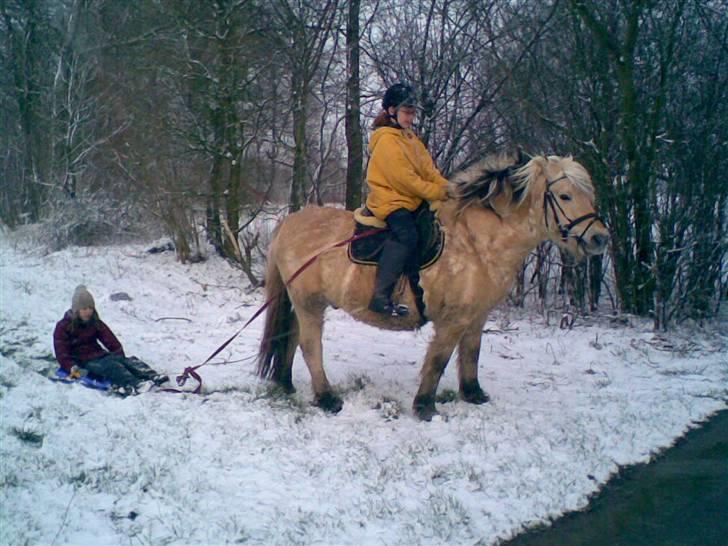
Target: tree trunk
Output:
[
  {"x": 354, "y": 142},
  {"x": 214, "y": 228},
  {"x": 298, "y": 182}
]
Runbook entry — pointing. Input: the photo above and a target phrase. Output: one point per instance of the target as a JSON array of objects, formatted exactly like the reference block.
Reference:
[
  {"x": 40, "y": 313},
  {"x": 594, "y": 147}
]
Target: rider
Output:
[{"x": 400, "y": 175}]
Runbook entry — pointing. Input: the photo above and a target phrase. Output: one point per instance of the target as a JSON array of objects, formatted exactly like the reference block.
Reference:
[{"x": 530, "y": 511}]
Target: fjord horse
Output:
[{"x": 501, "y": 213}]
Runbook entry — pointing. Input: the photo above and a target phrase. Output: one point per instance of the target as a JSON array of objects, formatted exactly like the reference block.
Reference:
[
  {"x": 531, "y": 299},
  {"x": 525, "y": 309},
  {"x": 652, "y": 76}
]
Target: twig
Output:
[
  {"x": 172, "y": 318},
  {"x": 65, "y": 516},
  {"x": 499, "y": 330},
  {"x": 553, "y": 354},
  {"x": 233, "y": 240},
  {"x": 205, "y": 285}
]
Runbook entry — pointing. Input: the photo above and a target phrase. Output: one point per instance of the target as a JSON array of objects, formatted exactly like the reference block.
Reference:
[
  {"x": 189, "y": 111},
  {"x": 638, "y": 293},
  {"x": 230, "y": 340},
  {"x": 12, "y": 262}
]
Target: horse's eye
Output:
[{"x": 565, "y": 197}]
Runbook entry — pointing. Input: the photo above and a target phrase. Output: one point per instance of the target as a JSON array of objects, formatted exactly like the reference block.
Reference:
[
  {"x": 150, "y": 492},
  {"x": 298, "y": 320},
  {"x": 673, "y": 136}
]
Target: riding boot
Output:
[{"x": 391, "y": 264}]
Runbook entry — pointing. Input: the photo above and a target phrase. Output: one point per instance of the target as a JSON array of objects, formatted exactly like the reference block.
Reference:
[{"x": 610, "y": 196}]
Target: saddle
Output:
[
  {"x": 367, "y": 251},
  {"x": 430, "y": 243}
]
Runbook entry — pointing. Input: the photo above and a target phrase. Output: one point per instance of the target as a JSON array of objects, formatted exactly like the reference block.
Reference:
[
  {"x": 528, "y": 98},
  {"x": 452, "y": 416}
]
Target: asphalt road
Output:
[{"x": 679, "y": 499}]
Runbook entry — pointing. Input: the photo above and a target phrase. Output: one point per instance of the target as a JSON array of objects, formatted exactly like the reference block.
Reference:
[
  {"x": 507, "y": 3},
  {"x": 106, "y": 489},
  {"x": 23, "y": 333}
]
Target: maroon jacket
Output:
[{"x": 82, "y": 344}]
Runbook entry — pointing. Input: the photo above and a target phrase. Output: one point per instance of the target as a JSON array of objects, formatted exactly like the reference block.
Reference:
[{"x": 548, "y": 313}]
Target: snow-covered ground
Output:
[{"x": 241, "y": 464}]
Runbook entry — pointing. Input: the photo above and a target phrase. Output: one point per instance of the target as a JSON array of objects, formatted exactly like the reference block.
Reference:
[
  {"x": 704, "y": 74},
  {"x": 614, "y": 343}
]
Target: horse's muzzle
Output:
[{"x": 596, "y": 244}]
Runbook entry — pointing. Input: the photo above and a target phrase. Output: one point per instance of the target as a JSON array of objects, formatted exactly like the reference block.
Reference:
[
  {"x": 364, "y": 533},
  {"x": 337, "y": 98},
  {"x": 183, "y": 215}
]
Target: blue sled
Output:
[{"x": 86, "y": 381}]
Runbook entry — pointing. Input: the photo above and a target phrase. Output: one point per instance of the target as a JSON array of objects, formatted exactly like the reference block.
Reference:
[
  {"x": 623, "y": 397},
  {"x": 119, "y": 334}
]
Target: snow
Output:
[{"x": 240, "y": 463}]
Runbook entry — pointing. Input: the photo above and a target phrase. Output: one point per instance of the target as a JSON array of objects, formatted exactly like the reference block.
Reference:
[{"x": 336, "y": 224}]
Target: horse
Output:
[{"x": 500, "y": 210}]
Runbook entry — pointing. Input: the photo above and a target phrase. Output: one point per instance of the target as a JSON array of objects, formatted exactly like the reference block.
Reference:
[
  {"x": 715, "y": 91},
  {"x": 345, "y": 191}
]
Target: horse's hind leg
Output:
[
  {"x": 468, "y": 354},
  {"x": 310, "y": 330}
]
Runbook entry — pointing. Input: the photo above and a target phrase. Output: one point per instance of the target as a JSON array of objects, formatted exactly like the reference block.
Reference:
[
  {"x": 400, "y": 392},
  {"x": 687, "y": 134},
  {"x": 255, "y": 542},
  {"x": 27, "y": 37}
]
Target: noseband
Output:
[{"x": 551, "y": 202}]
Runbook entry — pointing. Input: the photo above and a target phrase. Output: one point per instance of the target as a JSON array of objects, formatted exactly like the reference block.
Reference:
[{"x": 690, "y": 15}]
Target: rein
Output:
[
  {"x": 192, "y": 370},
  {"x": 551, "y": 202}
]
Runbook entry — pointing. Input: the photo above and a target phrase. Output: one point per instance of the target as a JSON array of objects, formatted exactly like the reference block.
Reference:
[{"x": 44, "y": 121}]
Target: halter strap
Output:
[{"x": 550, "y": 202}]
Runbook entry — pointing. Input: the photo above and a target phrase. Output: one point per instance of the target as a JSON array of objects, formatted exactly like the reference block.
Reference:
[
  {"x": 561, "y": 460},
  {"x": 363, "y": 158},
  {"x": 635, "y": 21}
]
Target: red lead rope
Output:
[{"x": 192, "y": 370}]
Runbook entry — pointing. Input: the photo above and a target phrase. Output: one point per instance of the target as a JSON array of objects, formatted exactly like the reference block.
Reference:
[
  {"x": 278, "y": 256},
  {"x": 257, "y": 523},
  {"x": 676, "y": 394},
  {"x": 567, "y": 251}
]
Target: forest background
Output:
[{"x": 207, "y": 119}]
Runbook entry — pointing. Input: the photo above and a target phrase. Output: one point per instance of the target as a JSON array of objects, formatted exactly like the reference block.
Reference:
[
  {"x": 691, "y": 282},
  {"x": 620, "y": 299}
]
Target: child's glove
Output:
[{"x": 77, "y": 373}]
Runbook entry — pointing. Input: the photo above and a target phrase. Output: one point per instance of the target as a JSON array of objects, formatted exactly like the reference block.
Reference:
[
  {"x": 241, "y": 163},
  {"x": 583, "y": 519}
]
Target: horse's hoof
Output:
[
  {"x": 424, "y": 407},
  {"x": 286, "y": 386},
  {"x": 471, "y": 393},
  {"x": 329, "y": 402}
]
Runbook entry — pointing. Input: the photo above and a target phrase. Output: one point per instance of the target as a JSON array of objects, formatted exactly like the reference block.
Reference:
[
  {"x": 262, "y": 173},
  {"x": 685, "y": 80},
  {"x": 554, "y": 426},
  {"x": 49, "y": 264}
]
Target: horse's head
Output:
[
  {"x": 559, "y": 186},
  {"x": 569, "y": 214}
]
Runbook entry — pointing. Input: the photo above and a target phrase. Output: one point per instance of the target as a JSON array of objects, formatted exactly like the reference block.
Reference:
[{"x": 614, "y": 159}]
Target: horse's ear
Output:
[
  {"x": 539, "y": 165},
  {"x": 521, "y": 157}
]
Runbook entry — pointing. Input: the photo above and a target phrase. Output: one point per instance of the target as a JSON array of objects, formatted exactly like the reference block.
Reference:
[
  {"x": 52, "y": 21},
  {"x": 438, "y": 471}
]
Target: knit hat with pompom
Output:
[{"x": 81, "y": 298}]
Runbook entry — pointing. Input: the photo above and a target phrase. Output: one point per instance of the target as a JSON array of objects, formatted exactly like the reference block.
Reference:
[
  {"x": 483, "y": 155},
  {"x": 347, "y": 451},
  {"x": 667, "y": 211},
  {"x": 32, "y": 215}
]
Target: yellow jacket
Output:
[{"x": 401, "y": 172}]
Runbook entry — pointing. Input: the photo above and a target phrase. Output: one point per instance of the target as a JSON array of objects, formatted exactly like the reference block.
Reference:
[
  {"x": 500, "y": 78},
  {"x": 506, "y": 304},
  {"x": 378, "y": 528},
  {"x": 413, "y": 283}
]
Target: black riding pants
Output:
[
  {"x": 397, "y": 252},
  {"x": 403, "y": 229}
]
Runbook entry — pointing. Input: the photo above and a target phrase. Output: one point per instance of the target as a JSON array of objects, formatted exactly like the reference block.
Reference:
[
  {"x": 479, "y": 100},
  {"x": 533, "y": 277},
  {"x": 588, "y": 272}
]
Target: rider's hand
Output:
[{"x": 451, "y": 192}]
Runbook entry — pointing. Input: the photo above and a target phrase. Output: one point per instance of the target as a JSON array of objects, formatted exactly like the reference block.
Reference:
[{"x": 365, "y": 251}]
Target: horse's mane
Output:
[
  {"x": 502, "y": 182},
  {"x": 492, "y": 183}
]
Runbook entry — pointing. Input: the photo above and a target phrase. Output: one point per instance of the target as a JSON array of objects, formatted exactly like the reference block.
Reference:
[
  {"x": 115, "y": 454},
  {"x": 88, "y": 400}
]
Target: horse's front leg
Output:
[
  {"x": 438, "y": 355},
  {"x": 310, "y": 330},
  {"x": 468, "y": 355}
]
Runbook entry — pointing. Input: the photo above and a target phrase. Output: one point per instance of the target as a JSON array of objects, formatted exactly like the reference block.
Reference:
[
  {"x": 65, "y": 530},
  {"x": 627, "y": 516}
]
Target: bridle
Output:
[{"x": 551, "y": 202}]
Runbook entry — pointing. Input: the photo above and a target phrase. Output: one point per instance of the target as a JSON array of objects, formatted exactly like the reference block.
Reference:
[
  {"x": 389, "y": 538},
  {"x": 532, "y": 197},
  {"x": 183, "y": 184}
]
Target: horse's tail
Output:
[{"x": 280, "y": 323}]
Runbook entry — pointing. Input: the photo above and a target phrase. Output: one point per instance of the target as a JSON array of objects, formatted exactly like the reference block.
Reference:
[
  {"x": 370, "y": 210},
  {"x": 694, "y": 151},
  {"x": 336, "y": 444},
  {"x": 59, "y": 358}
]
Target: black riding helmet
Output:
[{"x": 399, "y": 94}]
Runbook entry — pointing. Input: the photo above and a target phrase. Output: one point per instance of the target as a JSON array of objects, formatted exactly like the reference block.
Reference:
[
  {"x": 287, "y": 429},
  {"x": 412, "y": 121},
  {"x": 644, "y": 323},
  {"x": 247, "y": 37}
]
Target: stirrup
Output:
[
  {"x": 400, "y": 310},
  {"x": 390, "y": 309}
]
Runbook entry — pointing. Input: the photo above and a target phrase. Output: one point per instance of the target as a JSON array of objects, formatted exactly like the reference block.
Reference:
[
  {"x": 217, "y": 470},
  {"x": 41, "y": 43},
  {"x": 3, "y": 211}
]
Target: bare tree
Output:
[
  {"x": 203, "y": 113},
  {"x": 304, "y": 30},
  {"x": 29, "y": 46}
]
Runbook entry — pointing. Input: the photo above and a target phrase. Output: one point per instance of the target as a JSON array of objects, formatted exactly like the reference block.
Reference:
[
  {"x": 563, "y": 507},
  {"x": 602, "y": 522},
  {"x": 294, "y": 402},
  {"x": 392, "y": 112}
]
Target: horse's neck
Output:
[{"x": 508, "y": 239}]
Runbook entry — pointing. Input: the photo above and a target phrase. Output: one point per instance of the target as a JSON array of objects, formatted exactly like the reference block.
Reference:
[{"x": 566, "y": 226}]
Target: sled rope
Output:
[{"x": 191, "y": 371}]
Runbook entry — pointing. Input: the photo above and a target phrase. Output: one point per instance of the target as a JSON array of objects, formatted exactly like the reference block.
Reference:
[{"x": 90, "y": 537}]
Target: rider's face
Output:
[{"x": 405, "y": 115}]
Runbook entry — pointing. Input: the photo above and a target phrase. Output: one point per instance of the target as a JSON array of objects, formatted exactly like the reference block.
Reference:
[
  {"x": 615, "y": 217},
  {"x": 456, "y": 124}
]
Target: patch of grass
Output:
[
  {"x": 48, "y": 358},
  {"x": 446, "y": 515},
  {"x": 698, "y": 370},
  {"x": 245, "y": 389},
  {"x": 356, "y": 383},
  {"x": 446, "y": 395},
  {"x": 232, "y": 526},
  {"x": 389, "y": 408},
  {"x": 274, "y": 392},
  {"x": 29, "y": 437},
  {"x": 81, "y": 478},
  {"x": 280, "y": 398},
  {"x": 24, "y": 286},
  {"x": 9, "y": 480}
]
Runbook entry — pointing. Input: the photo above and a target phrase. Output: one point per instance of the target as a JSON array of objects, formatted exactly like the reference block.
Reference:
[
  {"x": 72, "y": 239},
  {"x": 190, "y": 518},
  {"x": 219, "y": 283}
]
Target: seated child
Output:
[{"x": 84, "y": 344}]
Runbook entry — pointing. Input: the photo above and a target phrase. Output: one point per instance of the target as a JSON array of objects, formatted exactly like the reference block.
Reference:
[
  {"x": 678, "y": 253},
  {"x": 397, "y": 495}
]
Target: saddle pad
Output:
[{"x": 431, "y": 241}]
